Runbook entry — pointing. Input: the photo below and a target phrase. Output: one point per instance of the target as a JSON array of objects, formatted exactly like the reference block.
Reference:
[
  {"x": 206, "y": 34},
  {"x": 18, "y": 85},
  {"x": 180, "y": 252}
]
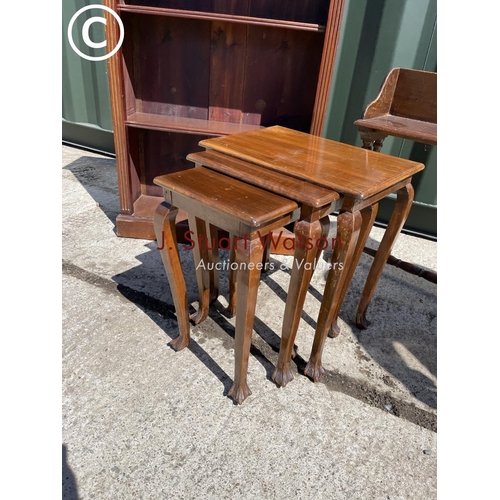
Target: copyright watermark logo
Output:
[{"x": 86, "y": 36}]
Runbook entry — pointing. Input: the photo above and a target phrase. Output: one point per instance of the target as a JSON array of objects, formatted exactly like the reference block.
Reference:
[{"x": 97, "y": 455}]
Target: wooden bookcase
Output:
[{"x": 193, "y": 69}]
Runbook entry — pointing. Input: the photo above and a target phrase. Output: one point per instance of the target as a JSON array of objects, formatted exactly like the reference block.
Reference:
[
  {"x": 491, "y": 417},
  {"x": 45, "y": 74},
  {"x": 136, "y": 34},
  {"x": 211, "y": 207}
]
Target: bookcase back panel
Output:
[
  {"x": 281, "y": 74},
  {"x": 162, "y": 153},
  {"x": 235, "y": 7},
  {"x": 168, "y": 61},
  {"x": 127, "y": 55},
  {"x": 221, "y": 71},
  {"x": 136, "y": 161},
  {"x": 306, "y": 11},
  {"x": 196, "y": 5},
  {"x": 228, "y": 64}
]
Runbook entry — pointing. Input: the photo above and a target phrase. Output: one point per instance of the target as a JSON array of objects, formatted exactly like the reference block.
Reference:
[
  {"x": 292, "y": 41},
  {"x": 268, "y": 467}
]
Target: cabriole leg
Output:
[
  {"x": 302, "y": 270},
  {"x": 348, "y": 225},
  {"x": 164, "y": 225},
  {"x": 398, "y": 218},
  {"x": 368, "y": 215},
  {"x": 249, "y": 258}
]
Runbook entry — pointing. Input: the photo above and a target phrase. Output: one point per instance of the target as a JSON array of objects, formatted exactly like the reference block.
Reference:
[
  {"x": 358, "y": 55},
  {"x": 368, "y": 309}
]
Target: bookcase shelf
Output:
[
  {"x": 150, "y": 121},
  {"x": 212, "y": 16}
]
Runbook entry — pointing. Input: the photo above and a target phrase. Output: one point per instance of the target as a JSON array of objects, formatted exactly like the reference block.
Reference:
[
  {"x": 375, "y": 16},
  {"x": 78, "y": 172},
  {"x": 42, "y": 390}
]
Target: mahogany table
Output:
[
  {"x": 362, "y": 178},
  {"x": 249, "y": 213}
]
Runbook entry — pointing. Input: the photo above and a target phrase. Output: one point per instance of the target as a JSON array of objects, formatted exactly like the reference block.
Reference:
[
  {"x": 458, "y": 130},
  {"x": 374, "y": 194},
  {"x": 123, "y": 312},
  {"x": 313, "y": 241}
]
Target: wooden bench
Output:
[
  {"x": 405, "y": 107},
  {"x": 248, "y": 214}
]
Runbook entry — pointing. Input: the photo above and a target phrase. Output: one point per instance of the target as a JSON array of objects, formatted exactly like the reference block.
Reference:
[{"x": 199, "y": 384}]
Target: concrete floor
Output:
[{"x": 141, "y": 421}]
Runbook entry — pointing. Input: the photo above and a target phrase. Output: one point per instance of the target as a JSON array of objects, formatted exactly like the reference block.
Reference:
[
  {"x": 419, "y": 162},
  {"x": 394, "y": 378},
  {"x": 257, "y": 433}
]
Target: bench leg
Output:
[
  {"x": 372, "y": 139},
  {"x": 348, "y": 225},
  {"x": 302, "y": 270},
  {"x": 205, "y": 254},
  {"x": 249, "y": 258},
  {"x": 398, "y": 218},
  {"x": 368, "y": 215},
  {"x": 164, "y": 225}
]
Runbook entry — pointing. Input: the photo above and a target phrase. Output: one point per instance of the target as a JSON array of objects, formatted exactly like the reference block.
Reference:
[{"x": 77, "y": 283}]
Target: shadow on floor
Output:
[
  {"x": 385, "y": 341},
  {"x": 69, "y": 489},
  {"x": 98, "y": 177},
  {"x": 146, "y": 286}
]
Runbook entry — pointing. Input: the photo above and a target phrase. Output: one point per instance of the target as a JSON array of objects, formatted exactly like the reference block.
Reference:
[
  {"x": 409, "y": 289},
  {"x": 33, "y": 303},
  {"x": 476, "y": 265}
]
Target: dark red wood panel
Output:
[
  {"x": 227, "y": 74},
  {"x": 127, "y": 48},
  {"x": 284, "y": 95},
  {"x": 136, "y": 162},
  {"x": 169, "y": 60},
  {"x": 236, "y": 7},
  {"x": 164, "y": 153},
  {"x": 307, "y": 11},
  {"x": 201, "y": 5}
]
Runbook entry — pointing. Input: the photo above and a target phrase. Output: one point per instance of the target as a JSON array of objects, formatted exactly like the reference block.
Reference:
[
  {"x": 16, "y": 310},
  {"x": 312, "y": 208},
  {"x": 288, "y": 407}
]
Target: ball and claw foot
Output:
[
  {"x": 179, "y": 343},
  {"x": 314, "y": 370},
  {"x": 282, "y": 376},
  {"x": 361, "y": 322},
  {"x": 334, "y": 330},
  {"x": 239, "y": 393}
]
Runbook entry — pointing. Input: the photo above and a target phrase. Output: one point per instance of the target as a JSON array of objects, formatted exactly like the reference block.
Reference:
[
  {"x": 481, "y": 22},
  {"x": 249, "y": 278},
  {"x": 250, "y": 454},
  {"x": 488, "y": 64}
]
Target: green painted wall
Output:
[
  {"x": 376, "y": 36},
  {"x": 86, "y": 107}
]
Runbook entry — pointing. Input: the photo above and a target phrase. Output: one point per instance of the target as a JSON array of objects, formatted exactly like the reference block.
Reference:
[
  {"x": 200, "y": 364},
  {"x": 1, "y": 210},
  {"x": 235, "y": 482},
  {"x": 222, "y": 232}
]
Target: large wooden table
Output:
[{"x": 362, "y": 178}]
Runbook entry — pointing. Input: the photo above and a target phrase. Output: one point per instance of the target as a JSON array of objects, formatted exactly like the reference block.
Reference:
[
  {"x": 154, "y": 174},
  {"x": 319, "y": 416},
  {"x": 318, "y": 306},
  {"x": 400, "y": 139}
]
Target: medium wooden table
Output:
[
  {"x": 315, "y": 204},
  {"x": 362, "y": 178}
]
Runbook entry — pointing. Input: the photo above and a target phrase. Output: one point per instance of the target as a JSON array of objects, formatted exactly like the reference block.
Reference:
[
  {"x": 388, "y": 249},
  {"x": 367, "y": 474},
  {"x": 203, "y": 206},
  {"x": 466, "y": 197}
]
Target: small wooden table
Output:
[
  {"x": 362, "y": 178},
  {"x": 249, "y": 214}
]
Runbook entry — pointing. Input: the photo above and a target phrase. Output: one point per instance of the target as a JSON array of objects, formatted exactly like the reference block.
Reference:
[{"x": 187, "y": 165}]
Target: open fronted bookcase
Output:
[{"x": 193, "y": 69}]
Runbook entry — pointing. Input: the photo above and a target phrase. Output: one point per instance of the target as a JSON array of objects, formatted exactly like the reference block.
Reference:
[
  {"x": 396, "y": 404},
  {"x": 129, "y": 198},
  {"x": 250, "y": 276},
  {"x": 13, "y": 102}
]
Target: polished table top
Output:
[
  {"x": 349, "y": 170},
  {"x": 270, "y": 180}
]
